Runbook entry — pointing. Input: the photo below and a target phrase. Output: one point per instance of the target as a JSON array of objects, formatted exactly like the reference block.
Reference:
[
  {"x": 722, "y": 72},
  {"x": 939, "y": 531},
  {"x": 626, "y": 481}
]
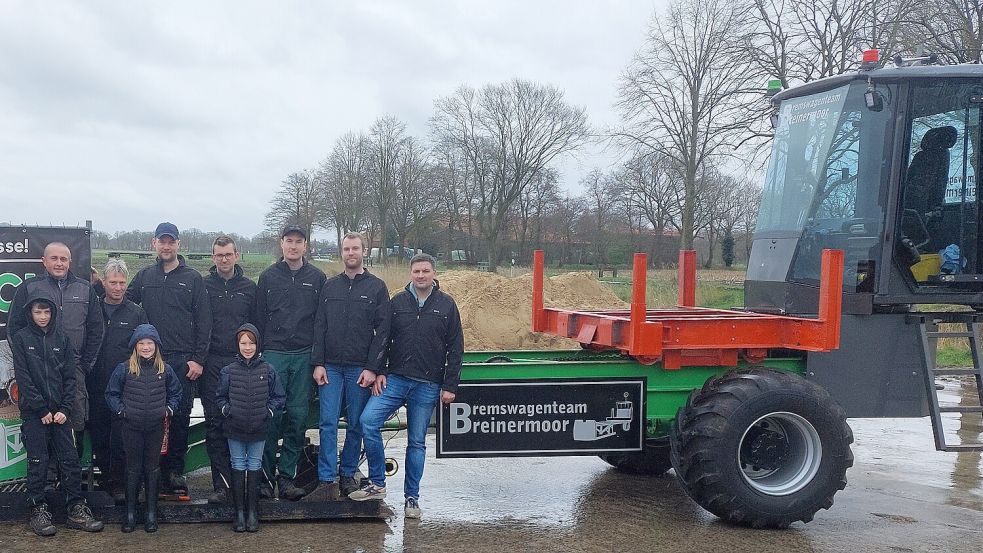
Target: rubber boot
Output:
[
  {"x": 239, "y": 500},
  {"x": 132, "y": 492},
  {"x": 151, "y": 482},
  {"x": 252, "y": 500}
]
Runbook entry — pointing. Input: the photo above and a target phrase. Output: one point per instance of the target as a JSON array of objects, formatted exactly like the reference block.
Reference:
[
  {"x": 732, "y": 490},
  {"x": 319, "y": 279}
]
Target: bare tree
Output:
[
  {"x": 953, "y": 29},
  {"x": 345, "y": 175},
  {"x": 299, "y": 201},
  {"x": 411, "y": 204},
  {"x": 508, "y": 133},
  {"x": 598, "y": 205},
  {"x": 684, "y": 96},
  {"x": 388, "y": 135}
]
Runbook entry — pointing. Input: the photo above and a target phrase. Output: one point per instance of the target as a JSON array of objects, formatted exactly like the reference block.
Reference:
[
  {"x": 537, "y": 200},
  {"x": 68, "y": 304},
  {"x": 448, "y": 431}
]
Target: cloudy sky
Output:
[{"x": 129, "y": 113}]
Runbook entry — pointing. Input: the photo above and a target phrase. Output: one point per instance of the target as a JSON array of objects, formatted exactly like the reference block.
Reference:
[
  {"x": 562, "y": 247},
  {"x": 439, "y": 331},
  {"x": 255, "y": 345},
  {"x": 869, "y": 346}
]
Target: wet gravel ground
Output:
[{"x": 902, "y": 496}]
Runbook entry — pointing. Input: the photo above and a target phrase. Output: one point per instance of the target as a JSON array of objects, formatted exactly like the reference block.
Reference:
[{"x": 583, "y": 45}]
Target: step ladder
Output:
[{"x": 930, "y": 333}]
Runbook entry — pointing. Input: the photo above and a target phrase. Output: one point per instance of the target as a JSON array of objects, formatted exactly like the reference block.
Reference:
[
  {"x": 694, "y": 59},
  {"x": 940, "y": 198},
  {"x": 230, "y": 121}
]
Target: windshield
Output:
[{"x": 823, "y": 184}]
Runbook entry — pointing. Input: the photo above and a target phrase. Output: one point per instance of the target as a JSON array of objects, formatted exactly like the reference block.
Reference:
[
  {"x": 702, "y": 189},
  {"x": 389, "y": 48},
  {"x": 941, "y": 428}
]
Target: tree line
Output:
[{"x": 692, "y": 136}]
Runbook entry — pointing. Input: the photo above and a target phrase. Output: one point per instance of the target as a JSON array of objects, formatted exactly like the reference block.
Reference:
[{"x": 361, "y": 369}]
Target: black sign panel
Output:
[
  {"x": 532, "y": 418},
  {"x": 21, "y": 249}
]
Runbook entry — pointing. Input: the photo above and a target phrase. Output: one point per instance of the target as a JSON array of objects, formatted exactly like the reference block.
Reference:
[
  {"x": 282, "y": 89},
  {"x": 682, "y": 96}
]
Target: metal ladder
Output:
[{"x": 930, "y": 334}]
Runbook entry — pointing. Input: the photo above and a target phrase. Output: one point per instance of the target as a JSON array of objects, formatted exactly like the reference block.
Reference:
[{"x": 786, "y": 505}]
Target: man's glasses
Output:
[{"x": 223, "y": 256}]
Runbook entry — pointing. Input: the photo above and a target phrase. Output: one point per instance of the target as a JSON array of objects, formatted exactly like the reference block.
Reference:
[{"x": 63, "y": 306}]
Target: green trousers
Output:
[{"x": 295, "y": 372}]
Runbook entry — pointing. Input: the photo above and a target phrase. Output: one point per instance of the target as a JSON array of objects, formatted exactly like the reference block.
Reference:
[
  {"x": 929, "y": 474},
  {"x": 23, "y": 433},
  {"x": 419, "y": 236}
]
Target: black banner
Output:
[
  {"x": 532, "y": 418},
  {"x": 21, "y": 249}
]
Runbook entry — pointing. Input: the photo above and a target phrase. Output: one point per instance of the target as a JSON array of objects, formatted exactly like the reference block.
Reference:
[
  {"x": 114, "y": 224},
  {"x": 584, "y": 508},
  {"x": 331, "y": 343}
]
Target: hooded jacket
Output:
[
  {"x": 426, "y": 342},
  {"x": 177, "y": 304},
  {"x": 249, "y": 394},
  {"x": 352, "y": 323},
  {"x": 286, "y": 304},
  {"x": 44, "y": 364},
  {"x": 80, "y": 317},
  {"x": 115, "y": 346},
  {"x": 142, "y": 400},
  {"x": 231, "y": 302}
]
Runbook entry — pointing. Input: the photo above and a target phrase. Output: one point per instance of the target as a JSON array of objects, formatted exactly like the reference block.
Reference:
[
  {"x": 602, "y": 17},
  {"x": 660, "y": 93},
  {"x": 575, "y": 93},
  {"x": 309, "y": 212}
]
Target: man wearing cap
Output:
[
  {"x": 79, "y": 317},
  {"x": 286, "y": 304},
  {"x": 231, "y": 296},
  {"x": 173, "y": 296}
]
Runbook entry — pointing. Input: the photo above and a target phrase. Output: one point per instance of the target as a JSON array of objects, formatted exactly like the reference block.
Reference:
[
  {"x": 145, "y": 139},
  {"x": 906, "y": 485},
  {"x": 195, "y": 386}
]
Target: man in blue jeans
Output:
[
  {"x": 426, "y": 345},
  {"x": 351, "y": 332}
]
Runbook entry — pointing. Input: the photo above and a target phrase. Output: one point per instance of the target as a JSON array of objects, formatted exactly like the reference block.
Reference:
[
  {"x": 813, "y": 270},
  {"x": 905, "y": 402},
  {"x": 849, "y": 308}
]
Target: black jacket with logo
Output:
[
  {"x": 286, "y": 305},
  {"x": 177, "y": 305},
  {"x": 115, "y": 345},
  {"x": 231, "y": 302},
  {"x": 79, "y": 317},
  {"x": 44, "y": 365},
  {"x": 352, "y": 324},
  {"x": 426, "y": 342}
]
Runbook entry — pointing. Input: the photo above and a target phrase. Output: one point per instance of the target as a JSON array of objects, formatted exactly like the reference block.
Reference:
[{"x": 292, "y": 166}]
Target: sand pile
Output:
[{"x": 496, "y": 311}]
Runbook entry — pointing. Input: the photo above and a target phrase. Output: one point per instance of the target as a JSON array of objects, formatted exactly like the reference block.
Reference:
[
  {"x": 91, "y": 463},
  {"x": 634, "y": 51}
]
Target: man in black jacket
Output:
[
  {"x": 286, "y": 304},
  {"x": 174, "y": 298},
  {"x": 121, "y": 317},
  {"x": 350, "y": 336},
  {"x": 44, "y": 367},
  {"x": 426, "y": 346},
  {"x": 231, "y": 297},
  {"x": 79, "y": 317}
]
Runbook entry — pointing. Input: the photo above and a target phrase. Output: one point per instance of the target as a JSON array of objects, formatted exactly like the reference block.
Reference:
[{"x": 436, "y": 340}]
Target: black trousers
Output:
[
  {"x": 107, "y": 441},
  {"x": 177, "y": 439},
  {"x": 216, "y": 444},
  {"x": 37, "y": 438},
  {"x": 142, "y": 446}
]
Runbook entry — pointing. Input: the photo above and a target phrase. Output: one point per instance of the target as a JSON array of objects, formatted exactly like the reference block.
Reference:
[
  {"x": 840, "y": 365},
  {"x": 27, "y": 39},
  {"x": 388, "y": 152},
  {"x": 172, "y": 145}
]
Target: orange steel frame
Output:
[{"x": 687, "y": 335}]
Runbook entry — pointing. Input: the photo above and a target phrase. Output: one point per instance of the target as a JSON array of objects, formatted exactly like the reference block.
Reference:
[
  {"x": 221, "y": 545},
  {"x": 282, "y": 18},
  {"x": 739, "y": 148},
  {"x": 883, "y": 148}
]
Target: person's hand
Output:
[
  {"x": 447, "y": 397},
  {"x": 47, "y": 419},
  {"x": 194, "y": 370},
  {"x": 60, "y": 418},
  {"x": 379, "y": 385},
  {"x": 320, "y": 375},
  {"x": 366, "y": 378}
]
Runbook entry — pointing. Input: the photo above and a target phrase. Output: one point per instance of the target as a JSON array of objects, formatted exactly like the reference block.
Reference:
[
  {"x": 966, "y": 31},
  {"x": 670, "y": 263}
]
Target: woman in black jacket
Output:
[
  {"x": 142, "y": 391},
  {"x": 249, "y": 394}
]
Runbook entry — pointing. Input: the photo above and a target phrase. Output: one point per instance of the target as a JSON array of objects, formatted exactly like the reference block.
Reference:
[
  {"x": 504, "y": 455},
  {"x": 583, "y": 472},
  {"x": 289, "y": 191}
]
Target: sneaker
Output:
[
  {"x": 368, "y": 491},
  {"x": 288, "y": 490},
  {"x": 41, "y": 521},
  {"x": 348, "y": 485},
  {"x": 412, "y": 508},
  {"x": 80, "y": 518},
  {"x": 218, "y": 497}
]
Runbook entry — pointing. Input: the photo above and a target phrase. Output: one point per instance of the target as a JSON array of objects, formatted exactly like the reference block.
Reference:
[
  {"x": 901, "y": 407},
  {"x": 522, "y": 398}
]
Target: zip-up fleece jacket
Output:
[
  {"x": 352, "y": 324},
  {"x": 231, "y": 302},
  {"x": 177, "y": 305},
  {"x": 44, "y": 365},
  {"x": 249, "y": 394},
  {"x": 426, "y": 342},
  {"x": 79, "y": 315},
  {"x": 286, "y": 305},
  {"x": 115, "y": 345}
]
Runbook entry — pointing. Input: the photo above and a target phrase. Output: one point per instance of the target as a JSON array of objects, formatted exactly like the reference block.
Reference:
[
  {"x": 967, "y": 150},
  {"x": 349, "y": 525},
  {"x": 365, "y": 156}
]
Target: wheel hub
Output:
[{"x": 779, "y": 454}]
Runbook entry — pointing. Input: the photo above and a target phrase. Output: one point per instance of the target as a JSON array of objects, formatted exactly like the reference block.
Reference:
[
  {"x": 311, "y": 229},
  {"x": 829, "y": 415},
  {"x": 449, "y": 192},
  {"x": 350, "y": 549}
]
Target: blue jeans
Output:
[
  {"x": 342, "y": 383},
  {"x": 246, "y": 455},
  {"x": 420, "y": 399}
]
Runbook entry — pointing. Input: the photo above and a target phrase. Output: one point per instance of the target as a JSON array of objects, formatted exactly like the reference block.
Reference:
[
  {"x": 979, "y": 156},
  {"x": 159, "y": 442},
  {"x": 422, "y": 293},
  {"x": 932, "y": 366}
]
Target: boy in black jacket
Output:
[{"x": 44, "y": 367}]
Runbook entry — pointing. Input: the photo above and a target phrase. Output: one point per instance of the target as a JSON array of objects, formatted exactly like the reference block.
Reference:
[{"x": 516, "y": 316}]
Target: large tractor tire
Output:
[
  {"x": 762, "y": 448},
  {"x": 654, "y": 460}
]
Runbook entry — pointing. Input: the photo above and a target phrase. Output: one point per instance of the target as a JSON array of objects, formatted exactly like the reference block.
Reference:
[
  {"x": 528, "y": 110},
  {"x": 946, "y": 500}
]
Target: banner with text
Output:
[{"x": 531, "y": 418}]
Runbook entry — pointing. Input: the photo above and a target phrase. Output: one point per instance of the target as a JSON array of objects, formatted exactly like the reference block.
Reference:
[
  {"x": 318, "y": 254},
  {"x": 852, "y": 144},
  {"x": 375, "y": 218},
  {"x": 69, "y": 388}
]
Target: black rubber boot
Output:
[
  {"x": 252, "y": 500},
  {"x": 132, "y": 492},
  {"x": 239, "y": 500},
  {"x": 150, "y": 490}
]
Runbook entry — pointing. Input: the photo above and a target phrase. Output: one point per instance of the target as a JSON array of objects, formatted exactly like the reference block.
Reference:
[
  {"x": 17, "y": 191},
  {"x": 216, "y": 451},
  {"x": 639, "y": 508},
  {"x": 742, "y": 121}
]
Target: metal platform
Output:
[
  {"x": 13, "y": 508},
  {"x": 687, "y": 335}
]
